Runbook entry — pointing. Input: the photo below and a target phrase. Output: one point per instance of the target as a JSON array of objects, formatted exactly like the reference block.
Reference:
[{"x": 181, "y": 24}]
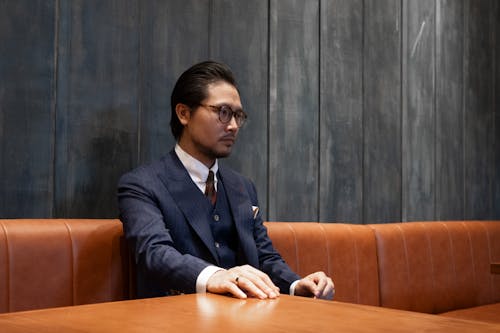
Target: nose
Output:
[{"x": 232, "y": 125}]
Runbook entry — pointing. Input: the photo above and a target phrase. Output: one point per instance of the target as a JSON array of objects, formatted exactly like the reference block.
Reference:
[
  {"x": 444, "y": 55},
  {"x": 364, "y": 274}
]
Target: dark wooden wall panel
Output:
[
  {"x": 294, "y": 110},
  {"x": 479, "y": 115},
  {"x": 449, "y": 110},
  {"x": 382, "y": 111},
  {"x": 361, "y": 111},
  {"x": 341, "y": 112},
  {"x": 245, "y": 50},
  {"x": 418, "y": 112},
  {"x": 496, "y": 96},
  {"x": 97, "y": 104},
  {"x": 27, "y": 61},
  {"x": 173, "y": 36}
]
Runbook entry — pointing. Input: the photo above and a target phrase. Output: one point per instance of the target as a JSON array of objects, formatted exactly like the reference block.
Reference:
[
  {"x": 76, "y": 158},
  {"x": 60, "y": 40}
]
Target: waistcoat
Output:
[{"x": 223, "y": 229}]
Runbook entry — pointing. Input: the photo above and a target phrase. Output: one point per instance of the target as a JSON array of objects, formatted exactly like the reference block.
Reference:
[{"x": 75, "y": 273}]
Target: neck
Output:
[{"x": 208, "y": 162}]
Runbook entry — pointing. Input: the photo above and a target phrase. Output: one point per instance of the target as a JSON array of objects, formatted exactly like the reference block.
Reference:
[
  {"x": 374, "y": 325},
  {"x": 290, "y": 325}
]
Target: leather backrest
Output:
[
  {"x": 346, "y": 252},
  {"x": 436, "y": 267},
  {"x": 56, "y": 262}
]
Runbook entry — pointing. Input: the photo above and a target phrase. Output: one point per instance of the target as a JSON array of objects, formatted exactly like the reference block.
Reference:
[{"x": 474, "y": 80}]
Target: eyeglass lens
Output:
[{"x": 226, "y": 113}]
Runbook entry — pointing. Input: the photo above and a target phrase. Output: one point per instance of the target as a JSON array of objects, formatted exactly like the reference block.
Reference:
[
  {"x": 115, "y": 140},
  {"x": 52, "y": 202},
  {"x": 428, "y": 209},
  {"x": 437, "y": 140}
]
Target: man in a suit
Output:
[{"x": 193, "y": 224}]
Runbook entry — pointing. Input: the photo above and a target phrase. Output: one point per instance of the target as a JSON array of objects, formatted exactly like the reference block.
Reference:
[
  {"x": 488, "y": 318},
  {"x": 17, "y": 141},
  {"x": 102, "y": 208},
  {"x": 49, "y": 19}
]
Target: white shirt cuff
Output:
[
  {"x": 292, "y": 287},
  {"x": 205, "y": 274}
]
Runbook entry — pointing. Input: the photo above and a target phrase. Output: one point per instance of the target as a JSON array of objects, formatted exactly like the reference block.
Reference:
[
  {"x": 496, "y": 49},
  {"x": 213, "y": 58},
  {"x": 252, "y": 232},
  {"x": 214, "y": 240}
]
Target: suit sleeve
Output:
[
  {"x": 270, "y": 261},
  {"x": 157, "y": 260}
]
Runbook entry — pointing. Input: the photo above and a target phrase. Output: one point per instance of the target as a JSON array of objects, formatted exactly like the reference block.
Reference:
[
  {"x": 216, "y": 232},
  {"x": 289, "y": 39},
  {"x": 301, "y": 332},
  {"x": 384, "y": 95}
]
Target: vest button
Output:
[
  {"x": 217, "y": 245},
  {"x": 216, "y": 218}
]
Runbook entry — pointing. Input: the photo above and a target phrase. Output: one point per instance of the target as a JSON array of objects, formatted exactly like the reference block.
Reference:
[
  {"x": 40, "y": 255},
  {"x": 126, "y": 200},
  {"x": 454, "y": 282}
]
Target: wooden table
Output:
[
  {"x": 495, "y": 267},
  {"x": 222, "y": 314}
]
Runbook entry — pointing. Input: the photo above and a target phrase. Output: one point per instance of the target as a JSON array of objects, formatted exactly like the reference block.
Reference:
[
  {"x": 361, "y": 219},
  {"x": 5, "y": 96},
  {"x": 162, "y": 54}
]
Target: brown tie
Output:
[{"x": 210, "y": 188}]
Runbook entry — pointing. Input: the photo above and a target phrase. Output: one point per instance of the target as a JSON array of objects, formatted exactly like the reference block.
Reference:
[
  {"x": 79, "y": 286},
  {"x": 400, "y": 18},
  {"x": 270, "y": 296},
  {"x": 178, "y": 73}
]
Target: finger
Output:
[
  {"x": 255, "y": 285},
  {"x": 235, "y": 290},
  {"x": 260, "y": 275},
  {"x": 256, "y": 282},
  {"x": 328, "y": 290},
  {"x": 250, "y": 288},
  {"x": 310, "y": 287},
  {"x": 223, "y": 282}
]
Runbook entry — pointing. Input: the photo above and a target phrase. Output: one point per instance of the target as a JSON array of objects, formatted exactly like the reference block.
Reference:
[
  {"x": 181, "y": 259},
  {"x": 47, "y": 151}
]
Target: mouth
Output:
[{"x": 229, "y": 139}]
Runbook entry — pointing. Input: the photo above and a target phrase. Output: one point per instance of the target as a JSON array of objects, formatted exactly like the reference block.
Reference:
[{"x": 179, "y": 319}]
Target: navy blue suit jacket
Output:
[{"x": 165, "y": 221}]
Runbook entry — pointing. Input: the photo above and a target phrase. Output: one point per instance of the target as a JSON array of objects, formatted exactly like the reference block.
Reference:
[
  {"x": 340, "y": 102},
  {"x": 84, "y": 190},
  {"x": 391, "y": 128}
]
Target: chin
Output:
[{"x": 221, "y": 153}]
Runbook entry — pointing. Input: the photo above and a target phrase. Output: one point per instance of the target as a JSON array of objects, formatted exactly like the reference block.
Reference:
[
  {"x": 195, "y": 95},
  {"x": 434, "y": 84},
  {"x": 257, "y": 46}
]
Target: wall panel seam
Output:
[{"x": 54, "y": 108}]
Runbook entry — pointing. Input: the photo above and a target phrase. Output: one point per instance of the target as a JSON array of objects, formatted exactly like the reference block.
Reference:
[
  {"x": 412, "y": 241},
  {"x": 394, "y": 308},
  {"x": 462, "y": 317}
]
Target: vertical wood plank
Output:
[
  {"x": 245, "y": 50},
  {"x": 294, "y": 110},
  {"x": 97, "y": 104},
  {"x": 27, "y": 82},
  {"x": 382, "y": 111},
  {"x": 174, "y": 36},
  {"x": 418, "y": 127},
  {"x": 479, "y": 115},
  {"x": 341, "y": 115},
  {"x": 449, "y": 110},
  {"x": 496, "y": 94}
]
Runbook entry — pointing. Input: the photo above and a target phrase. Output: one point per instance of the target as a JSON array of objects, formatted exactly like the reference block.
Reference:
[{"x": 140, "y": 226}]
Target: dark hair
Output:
[{"x": 191, "y": 88}]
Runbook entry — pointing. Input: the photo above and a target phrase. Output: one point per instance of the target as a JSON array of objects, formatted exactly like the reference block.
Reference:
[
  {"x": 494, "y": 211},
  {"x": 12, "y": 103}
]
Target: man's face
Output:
[{"x": 205, "y": 137}]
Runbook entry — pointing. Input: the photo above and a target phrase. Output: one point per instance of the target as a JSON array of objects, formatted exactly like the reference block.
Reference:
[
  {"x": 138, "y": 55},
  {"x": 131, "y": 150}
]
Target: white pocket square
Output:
[{"x": 255, "y": 211}]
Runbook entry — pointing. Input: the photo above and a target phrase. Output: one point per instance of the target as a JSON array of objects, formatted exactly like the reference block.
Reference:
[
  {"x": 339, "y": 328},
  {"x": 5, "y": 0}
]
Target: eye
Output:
[{"x": 225, "y": 112}]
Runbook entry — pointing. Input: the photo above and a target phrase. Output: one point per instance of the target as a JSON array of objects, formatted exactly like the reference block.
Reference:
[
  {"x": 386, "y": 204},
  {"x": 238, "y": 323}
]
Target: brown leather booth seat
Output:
[
  {"x": 347, "y": 252},
  {"x": 49, "y": 263},
  {"x": 432, "y": 267},
  {"x": 440, "y": 267}
]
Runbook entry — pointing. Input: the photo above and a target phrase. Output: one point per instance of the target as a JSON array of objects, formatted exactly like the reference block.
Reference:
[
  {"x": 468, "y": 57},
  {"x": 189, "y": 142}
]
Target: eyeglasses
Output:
[{"x": 226, "y": 113}]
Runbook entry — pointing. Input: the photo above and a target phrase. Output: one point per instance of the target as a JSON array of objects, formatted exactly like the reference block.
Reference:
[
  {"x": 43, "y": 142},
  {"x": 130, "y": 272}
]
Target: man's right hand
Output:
[{"x": 241, "y": 282}]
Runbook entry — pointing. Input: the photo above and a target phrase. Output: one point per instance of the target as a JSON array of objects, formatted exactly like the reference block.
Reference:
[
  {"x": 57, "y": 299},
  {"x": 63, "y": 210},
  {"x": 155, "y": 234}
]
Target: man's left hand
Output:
[{"x": 317, "y": 285}]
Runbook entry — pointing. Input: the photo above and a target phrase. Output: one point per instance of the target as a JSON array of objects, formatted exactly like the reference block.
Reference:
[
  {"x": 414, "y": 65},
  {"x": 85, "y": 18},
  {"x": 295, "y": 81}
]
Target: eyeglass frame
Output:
[{"x": 238, "y": 114}]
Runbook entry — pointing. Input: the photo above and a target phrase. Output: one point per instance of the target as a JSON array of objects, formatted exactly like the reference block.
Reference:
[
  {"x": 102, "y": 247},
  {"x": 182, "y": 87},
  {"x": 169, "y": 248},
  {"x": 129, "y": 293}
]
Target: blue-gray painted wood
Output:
[
  {"x": 479, "y": 111},
  {"x": 341, "y": 112},
  {"x": 359, "y": 112},
  {"x": 382, "y": 111},
  {"x": 449, "y": 110},
  {"x": 27, "y": 83},
  {"x": 173, "y": 36},
  {"x": 245, "y": 50},
  {"x": 496, "y": 101},
  {"x": 96, "y": 137},
  {"x": 418, "y": 110},
  {"x": 294, "y": 110}
]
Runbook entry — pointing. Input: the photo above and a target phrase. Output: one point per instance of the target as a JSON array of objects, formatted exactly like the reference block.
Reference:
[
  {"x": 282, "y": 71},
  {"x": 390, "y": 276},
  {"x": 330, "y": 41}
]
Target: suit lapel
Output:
[{"x": 188, "y": 199}]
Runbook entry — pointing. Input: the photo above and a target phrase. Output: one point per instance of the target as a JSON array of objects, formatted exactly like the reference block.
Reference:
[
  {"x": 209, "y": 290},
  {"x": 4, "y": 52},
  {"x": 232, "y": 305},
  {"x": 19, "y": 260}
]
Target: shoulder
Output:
[{"x": 148, "y": 172}]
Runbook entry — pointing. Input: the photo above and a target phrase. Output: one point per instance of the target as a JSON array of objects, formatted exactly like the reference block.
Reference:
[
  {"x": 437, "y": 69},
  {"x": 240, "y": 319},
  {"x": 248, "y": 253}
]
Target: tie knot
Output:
[{"x": 210, "y": 178}]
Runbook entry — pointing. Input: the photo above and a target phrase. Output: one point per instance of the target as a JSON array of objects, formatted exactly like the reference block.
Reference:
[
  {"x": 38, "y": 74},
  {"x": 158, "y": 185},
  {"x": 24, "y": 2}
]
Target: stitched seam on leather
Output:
[
  {"x": 426, "y": 232},
  {"x": 378, "y": 243},
  {"x": 473, "y": 263},
  {"x": 490, "y": 257},
  {"x": 72, "y": 256},
  {"x": 406, "y": 258},
  {"x": 327, "y": 242},
  {"x": 452, "y": 253},
  {"x": 358, "y": 296},
  {"x": 7, "y": 261},
  {"x": 296, "y": 246}
]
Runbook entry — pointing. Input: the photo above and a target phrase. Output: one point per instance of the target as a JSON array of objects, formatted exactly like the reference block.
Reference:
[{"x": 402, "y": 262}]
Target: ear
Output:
[{"x": 183, "y": 113}]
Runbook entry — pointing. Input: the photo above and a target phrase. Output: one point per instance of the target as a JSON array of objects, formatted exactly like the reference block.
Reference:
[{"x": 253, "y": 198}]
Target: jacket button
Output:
[
  {"x": 216, "y": 218},
  {"x": 217, "y": 245}
]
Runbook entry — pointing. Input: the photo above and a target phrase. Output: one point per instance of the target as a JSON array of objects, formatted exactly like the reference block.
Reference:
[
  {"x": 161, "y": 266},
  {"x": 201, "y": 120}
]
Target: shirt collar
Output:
[{"x": 197, "y": 170}]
